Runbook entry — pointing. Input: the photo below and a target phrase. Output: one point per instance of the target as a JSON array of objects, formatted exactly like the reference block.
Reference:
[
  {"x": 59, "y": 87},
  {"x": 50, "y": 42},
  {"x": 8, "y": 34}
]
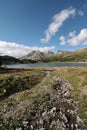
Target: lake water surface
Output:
[{"x": 48, "y": 65}]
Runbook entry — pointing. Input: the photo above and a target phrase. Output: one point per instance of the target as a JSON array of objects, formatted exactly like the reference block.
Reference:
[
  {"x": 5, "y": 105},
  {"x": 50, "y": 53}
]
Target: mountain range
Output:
[
  {"x": 79, "y": 55},
  {"x": 61, "y": 56}
]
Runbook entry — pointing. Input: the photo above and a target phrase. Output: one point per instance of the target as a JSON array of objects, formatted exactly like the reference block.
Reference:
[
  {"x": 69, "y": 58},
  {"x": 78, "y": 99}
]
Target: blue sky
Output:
[{"x": 27, "y": 25}]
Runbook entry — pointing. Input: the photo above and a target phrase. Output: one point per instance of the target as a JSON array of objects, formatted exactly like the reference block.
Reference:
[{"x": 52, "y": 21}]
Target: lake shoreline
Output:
[{"x": 55, "y": 64}]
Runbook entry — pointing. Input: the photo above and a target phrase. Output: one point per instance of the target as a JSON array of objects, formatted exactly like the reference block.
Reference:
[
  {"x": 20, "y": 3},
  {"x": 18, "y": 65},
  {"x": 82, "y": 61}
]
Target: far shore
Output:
[{"x": 43, "y": 63}]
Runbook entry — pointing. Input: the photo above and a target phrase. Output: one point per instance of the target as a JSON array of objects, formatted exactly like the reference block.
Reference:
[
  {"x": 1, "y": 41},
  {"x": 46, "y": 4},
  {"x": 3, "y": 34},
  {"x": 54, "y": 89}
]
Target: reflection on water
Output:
[{"x": 48, "y": 65}]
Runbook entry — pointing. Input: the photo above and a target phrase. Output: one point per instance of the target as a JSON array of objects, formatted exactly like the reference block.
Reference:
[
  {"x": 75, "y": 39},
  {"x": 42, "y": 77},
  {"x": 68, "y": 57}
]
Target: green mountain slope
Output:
[
  {"x": 9, "y": 60},
  {"x": 77, "y": 56},
  {"x": 67, "y": 56}
]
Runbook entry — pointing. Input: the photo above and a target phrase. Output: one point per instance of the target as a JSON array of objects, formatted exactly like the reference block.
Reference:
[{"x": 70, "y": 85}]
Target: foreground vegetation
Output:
[
  {"x": 17, "y": 86},
  {"x": 78, "y": 78}
]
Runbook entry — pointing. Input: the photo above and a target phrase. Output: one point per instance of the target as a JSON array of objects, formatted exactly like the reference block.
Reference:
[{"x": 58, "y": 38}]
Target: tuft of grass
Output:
[{"x": 19, "y": 82}]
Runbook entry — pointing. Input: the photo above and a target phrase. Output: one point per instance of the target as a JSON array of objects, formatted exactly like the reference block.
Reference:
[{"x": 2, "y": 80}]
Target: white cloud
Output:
[
  {"x": 72, "y": 34},
  {"x": 19, "y": 50},
  {"x": 58, "y": 20},
  {"x": 80, "y": 12},
  {"x": 62, "y": 39},
  {"x": 81, "y": 38}
]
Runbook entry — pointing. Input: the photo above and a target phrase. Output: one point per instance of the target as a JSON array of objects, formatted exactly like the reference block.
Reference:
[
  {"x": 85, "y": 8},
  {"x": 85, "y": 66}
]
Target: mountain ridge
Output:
[
  {"x": 79, "y": 55},
  {"x": 37, "y": 55}
]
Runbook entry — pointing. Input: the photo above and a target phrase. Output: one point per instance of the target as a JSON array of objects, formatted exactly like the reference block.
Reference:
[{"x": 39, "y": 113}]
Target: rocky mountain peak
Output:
[{"x": 37, "y": 55}]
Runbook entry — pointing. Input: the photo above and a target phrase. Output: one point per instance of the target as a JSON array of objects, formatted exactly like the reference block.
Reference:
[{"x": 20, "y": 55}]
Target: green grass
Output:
[
  {"x": 43, "y": 85},
  {"x": 19, "y": 81},
  {"x": 78, "y": 78}
]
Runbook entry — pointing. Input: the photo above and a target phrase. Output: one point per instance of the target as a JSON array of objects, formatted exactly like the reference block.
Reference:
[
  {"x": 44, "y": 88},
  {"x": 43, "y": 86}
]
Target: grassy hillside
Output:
[
  {"x": 67, "y": 56},
  {"x": 77, "y": 56}
]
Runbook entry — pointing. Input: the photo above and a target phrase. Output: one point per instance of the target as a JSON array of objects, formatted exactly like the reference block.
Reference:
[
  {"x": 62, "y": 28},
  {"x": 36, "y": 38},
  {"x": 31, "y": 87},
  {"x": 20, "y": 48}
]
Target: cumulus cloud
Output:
[
  {"x": 75, "y": 40},
  {"x": 57, "y": 22},
  {"x": 19, "y": 50}
]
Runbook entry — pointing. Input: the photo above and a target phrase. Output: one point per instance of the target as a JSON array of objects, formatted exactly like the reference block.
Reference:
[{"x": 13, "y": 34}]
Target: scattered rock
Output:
[{"x": 57, "y": 112}]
